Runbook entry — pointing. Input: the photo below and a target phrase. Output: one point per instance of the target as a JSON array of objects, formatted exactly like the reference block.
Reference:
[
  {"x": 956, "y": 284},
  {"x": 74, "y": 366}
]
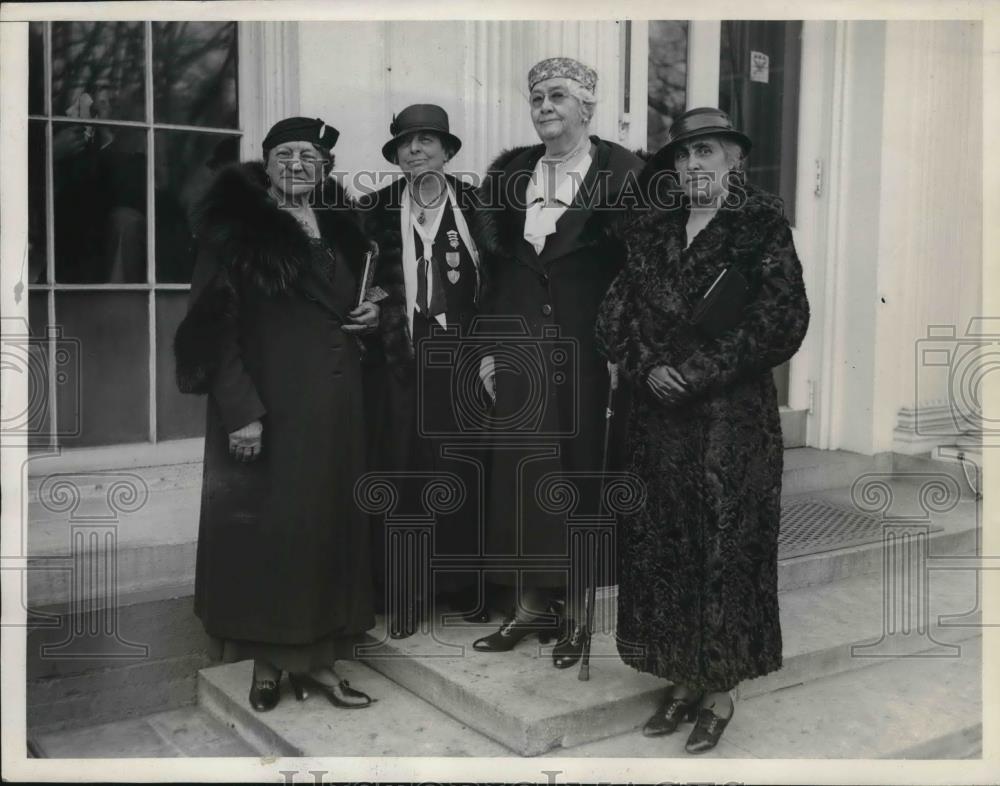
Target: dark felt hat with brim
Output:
[
  {"x": 703, "y": 121},
  {"x": 419, "y": 117}
]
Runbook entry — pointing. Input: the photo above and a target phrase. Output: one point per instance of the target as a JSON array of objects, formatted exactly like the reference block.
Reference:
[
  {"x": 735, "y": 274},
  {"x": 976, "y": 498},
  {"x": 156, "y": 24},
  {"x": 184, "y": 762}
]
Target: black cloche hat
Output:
[
  {"x": 703, "y": 121},
  {"x": 418, "y": 117}
]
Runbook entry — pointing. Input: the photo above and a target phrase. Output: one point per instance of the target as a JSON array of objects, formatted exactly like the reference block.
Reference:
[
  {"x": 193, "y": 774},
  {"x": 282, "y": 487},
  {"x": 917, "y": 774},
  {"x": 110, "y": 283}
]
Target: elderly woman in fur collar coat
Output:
[
  {"x": 272, "y": 336},
  {"x": 698, "y": 588},
  {"x": 545, "y": 230}
]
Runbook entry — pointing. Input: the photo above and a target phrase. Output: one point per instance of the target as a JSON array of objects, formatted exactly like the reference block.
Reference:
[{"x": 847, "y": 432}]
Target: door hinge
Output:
[
  {"x": 818, "y": 189},
  {"x": 811, "y": 395}
]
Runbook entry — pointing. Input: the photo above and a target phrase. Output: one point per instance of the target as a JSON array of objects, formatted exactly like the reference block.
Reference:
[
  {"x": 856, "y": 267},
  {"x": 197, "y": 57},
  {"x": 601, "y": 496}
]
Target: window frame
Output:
[{"x": 248, "y": 41}]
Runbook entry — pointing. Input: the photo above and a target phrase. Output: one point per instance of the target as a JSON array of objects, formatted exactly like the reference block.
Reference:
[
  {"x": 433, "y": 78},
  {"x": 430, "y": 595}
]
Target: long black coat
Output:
[
  {"x": 283, "y": 552},
  {"x": 392, "y": 399},
  {"x": 698, "y": 584},
  {"x": 554, "y": 394}
]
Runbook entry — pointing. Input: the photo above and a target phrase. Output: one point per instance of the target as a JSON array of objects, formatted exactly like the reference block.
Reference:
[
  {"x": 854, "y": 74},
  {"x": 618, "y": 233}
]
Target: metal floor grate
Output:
[{"x": 811, "y": 526}]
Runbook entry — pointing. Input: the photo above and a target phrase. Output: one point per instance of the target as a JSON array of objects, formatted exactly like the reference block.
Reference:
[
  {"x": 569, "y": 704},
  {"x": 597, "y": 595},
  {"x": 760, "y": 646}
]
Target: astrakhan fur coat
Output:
[{"x": 698, "y": 583}]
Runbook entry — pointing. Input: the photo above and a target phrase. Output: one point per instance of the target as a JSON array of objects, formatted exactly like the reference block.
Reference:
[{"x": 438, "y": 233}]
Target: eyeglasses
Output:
[{"x": 286, "y": 157}]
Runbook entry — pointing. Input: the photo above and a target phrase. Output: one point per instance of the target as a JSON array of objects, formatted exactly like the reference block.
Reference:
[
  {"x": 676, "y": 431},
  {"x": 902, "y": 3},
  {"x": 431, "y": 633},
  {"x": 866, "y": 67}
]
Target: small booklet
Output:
[
  {"x": 365, "y": 290},
  {"x": 721, "y": 307}
]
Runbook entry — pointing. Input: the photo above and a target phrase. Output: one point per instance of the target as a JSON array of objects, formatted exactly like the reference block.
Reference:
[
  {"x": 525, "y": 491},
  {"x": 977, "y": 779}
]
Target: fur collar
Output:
[
  {"x": 499, "y": 221},
  {"x": 747, "y": 206},
  {"x": 265, "y": 245}
]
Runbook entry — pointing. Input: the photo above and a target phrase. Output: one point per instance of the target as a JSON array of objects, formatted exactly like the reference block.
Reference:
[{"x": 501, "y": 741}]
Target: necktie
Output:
[{"x": 422, "y": 303}]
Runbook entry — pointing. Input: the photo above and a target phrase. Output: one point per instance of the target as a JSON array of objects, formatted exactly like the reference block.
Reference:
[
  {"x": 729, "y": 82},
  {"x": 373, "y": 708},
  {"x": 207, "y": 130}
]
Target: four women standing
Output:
[{"x": 284, "y": 567}]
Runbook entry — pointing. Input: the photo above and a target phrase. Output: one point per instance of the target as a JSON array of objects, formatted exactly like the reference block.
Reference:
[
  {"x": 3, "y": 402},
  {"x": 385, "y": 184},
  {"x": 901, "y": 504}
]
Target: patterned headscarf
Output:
[{"x": 565, "y": 67}]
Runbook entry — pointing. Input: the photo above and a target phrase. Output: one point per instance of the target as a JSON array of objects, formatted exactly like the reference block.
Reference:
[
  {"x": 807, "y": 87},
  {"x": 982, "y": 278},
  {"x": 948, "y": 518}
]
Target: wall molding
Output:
[
  {"x": 929, "y": 425},
  {"x": 268, "y": 79}
]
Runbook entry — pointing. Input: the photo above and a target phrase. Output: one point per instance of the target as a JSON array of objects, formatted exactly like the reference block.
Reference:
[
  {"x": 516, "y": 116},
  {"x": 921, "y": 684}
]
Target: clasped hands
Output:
[{"x": 667, "y": 384}]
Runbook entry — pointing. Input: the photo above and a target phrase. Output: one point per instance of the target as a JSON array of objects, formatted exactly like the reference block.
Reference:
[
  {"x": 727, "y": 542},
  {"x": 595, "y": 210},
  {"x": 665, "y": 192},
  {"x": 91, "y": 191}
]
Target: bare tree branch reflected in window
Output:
[
  {"x": 195, "y": 73},
  {"x": 667, "y": 93}
]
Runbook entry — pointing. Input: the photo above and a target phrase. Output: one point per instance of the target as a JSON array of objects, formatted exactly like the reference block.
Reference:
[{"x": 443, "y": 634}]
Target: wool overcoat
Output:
[
  {"x": 283, "y": 550},
  {"x": 551, "y": 383},
  {"x": 411, "y": 420},
  {"x": 698, "y": 583}
]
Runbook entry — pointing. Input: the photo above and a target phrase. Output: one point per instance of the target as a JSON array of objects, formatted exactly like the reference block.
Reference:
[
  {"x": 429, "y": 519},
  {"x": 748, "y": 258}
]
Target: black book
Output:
[{"x": 721, "y": 307}]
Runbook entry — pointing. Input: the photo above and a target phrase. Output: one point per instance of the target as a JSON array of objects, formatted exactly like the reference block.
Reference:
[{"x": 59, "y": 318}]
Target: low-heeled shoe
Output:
[
  {"x": 707, "y": 731},
  {"x": 671, "y": 712},
  {"x": 264, "y": 694},
  {"x": 511, "y": 631}
]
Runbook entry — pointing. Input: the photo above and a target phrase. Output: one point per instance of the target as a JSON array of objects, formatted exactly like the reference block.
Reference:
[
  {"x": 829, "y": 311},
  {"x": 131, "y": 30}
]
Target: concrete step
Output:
[
  {"x": 444, "y": 696},
  {"x": 113, "y": 694},
  {"x": 148, "y": 515},
  {"x": 811, "y": 469},
  {"x": 103, "y": 664},
  {"x": 955, "y": 529},
  {"x": 398, "y": 724},
  {"x": 153, "y": 512},
  {"x": 907, "y": 708},
  {"x": 518, "y": 699},
  {"x": 183, "y": 732}
]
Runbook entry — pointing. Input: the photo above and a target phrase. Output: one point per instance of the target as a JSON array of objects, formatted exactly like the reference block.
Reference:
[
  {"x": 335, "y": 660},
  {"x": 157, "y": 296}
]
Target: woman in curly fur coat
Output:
[
  {"x": 282, "y": 573},
  {"x": 698, "y": 590}
]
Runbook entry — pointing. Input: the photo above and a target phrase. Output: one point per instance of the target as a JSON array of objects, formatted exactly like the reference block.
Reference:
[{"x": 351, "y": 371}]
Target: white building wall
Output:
[
  {"x": 356, "y": 74},
  {"x": 930, "y": 234},
  {"x": 901, "y": 232},
  {"x": 851, "y": 258}
]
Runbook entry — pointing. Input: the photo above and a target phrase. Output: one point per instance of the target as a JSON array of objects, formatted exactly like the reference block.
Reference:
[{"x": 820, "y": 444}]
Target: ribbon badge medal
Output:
[
  {"x": 453, "y": 259},
  {"x": 452, "y": 238}
]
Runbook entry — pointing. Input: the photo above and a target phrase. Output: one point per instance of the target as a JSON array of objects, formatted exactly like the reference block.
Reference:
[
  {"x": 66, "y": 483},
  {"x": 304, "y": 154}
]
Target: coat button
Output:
[{"x": 547, "y": 310}]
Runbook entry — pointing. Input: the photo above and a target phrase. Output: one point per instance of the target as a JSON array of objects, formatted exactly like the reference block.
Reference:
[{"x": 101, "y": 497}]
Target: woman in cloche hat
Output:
[
  {"x": 271, "y": 337},
  {"x": 429, "y": 266},
  {"x": 711, "y": 299}
]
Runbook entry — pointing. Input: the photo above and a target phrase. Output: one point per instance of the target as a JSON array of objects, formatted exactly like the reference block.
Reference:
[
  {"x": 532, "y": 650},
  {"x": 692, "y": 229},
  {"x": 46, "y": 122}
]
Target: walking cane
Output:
[{"x": 584, "y": 674}]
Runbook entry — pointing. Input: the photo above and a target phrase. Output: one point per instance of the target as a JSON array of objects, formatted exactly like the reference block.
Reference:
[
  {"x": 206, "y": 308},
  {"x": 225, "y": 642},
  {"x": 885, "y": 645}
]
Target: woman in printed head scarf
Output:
[
  {"x": 272, "y": 337},
  {"x": 429, "y": 268},
  {"x": 545, "y": 231}
]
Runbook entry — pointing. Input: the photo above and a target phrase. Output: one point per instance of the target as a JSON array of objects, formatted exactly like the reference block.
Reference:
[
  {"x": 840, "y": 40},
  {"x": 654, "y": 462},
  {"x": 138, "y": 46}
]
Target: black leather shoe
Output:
[
  {"x": 569, "y": 649},
  {"x": 340, "y": 695},
  {"x": 511, "y": 632},
  {"x": 264, "y": 694},
  {"x": 707, "y": 731},
  {"x": 671, "y": 712}
]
